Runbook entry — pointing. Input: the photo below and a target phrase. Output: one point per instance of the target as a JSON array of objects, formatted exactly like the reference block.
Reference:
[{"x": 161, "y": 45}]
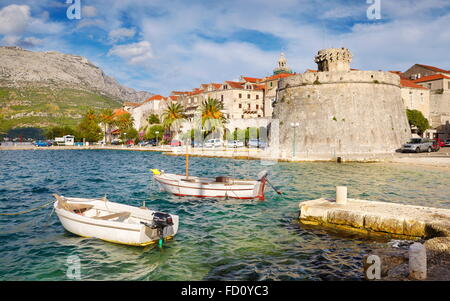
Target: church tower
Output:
[{"x": 282, "y": 66}]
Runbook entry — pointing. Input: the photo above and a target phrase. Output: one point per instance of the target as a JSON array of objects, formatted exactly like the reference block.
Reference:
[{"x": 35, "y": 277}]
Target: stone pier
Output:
[{"x": 373, "y": 217}]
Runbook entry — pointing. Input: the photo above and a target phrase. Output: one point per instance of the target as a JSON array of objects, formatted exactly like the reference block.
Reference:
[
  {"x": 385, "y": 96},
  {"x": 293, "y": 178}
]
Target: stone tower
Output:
[
  {"x": 345, "y": 113},
  {"x": 282, "y": 65},
  {"x": 333, "y": 59}
]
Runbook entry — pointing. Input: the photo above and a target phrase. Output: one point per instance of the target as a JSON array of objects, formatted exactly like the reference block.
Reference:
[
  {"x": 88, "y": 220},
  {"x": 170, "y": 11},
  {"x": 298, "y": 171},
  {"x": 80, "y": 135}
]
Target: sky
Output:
[{"x": 164, "y": 45}]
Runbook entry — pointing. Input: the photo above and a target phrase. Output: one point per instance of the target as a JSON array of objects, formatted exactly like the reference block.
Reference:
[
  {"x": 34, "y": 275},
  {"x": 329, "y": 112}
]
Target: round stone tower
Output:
[{"x": 338, "y": 112}]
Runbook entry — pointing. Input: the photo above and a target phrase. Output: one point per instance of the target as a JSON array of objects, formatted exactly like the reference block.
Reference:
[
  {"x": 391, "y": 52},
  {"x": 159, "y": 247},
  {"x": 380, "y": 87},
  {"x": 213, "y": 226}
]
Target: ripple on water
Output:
[{"x": 217, "y": 239}]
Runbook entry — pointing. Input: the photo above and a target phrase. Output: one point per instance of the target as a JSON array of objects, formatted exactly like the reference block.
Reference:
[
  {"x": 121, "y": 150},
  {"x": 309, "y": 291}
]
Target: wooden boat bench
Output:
[{"x": 124, "y": 215}]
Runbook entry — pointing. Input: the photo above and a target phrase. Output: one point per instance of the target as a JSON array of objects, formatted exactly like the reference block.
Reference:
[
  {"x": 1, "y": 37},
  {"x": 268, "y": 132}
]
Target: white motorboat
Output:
[
  {"x": 114, "y": 222},
  {"x": 185, "y": 185}
]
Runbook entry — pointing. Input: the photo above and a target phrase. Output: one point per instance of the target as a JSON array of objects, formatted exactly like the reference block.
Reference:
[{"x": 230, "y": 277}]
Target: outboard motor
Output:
[{"x": 160, "y": 222}]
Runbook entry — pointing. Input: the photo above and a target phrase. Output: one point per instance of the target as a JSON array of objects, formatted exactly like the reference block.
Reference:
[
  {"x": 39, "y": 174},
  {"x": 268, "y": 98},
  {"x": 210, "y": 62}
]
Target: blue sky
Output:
[{"x": 160, "y": 46}]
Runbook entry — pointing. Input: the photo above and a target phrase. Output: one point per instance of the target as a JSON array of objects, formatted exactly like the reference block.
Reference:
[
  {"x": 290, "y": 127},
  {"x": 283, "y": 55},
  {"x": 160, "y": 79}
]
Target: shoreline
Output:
[{"x": 439, "y": 160}]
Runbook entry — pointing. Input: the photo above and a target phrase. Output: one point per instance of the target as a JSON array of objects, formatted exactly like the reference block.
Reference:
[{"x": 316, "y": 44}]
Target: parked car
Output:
[
  {"x": 447, "y": 143},
  {"x": 196, "y": 144},
  {"x": 40, "y": 143},
  {"x": 257, "y": 143},
  {"x": 213, "y": 143},
  {"x": 436, "y": 146},
  {"x": 175, "y": 143},
  {"x": 440, "y": 142},
  {"x": 418, "y": 145},
  {"x": 235, "y": 143}
]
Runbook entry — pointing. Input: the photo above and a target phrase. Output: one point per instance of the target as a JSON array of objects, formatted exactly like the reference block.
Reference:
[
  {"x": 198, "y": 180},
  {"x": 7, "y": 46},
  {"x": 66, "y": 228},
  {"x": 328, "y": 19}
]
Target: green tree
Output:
[
  {"x": 155, "y": 132},
  {"x": 416, "y": 118},
  {"x": 107, "y": 119},
  {"x": 153, "y": 119},
  {"x": 88, "y": 127},
  {"x": 212, "y": 115},
  {"x": 173, "y": 116},
  {"x": 59, "y": 131}
]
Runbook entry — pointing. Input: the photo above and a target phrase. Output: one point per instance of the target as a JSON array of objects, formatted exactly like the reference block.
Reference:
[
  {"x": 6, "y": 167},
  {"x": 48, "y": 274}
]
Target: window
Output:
[
  {"x": 249, "y": 106},
  {"x": 242, "y": 116},
  {"x": 248, "y": 96},
  {"x": 257, "y": 96},
  {"x": 271, "y": 84},
  {"x": 259, "y": 116},
  {"x": 240, "y": 95},
  {"x": 221, "y": 97},
  {"x": 429, "y": 86},
  {"x": 240, "y": 106},
  {"x": 257, "y": 107}
]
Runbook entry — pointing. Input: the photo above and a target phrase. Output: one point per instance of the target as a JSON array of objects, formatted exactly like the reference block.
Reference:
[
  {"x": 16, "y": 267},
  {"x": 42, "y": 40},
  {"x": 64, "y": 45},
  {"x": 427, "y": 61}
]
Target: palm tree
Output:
[
  {"x": 124, "y": 121},
  {"x": 173, "y": 116},
  {"x": 212, "y": 115},
  {"x": 106, "y": 117}
]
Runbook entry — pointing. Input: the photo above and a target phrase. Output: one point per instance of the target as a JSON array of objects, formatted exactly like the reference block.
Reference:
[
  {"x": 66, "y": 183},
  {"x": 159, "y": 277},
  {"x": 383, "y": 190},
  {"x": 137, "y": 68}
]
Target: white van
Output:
[{"x": 213, "y": 143}]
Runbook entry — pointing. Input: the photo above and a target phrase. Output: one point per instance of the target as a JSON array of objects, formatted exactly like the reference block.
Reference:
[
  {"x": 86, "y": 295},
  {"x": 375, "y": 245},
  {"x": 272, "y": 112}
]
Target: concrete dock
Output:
[{"x": 372, "y": 217}]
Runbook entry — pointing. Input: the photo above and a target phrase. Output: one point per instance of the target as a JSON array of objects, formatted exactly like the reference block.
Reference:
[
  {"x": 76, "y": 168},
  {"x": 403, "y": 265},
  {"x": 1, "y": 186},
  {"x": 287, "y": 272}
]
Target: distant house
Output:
[
  {"x": 437, "y": 81},
  {"x": 67, "y": 140}
]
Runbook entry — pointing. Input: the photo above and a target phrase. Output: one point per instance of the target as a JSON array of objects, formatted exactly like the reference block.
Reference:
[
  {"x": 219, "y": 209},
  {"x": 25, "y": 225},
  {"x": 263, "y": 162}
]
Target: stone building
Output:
[
  {"x": 140, "y": 112},
  {"x": 242, "y": 100},
  {"x": 341, "y": 112}
]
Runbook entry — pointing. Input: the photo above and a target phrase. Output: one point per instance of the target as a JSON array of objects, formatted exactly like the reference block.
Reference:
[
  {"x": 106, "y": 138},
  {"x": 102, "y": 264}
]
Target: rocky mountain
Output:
[{"x": 23, "y": 68}]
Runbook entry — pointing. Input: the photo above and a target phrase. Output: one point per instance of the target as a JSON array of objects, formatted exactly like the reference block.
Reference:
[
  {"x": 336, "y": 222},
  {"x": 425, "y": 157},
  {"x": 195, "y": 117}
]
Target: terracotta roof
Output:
[
  {"x": 251, "y": 79},
  {"x": 433, "y": 68},
  {"x": 155, "y": 97},
  {"x": 410, "y": 84},
  {"x": 430, "y": 78},
  {"x": 196, "y": 91},
  {"x": 235, "y": 85},
  {"x": 310, "y": 70},
  {"x": 216, "y": 86},
  {"x": 281, "y": 75},
  {"x": 399, "y": 73},
  {"x": 173, "y": 97},
  {"x": 259, "y": 87},
  {"x": 180, "y": 92},
  {"x": 131, "y": 104},
  {"x": 118, "y": 112}
]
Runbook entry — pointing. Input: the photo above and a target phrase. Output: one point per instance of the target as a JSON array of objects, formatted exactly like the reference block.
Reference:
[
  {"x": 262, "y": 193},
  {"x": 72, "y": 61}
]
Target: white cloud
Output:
[
  {"x": 88, "y": 11},
  {"x": 14, "y": 19},
  {"x": 27, "y": 42},
  {"x": 121, "y": 34},
  {"x": 135, "y": 53}
]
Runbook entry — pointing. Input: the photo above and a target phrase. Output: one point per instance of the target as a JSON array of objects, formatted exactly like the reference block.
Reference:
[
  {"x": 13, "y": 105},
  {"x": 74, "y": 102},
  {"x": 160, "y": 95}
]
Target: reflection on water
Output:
[{"x": 217, "y": 239}]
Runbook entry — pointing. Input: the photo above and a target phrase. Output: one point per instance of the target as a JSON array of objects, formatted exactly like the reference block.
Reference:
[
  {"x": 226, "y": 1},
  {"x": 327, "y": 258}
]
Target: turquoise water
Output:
[{"x": 217, "y": 239}]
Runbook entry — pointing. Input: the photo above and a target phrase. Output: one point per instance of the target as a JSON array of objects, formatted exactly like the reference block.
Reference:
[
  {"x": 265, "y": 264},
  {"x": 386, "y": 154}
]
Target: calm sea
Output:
[{"x": 217, "y": 239}]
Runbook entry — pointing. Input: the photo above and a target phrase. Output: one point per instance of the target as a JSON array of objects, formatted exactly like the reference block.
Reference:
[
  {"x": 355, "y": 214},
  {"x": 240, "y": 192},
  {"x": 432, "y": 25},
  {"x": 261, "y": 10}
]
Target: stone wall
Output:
[{"x": 341, "y": 114}]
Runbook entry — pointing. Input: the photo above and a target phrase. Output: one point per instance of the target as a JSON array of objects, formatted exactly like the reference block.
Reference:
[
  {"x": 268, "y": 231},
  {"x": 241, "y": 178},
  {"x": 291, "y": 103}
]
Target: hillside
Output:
[
  {"x": 41, "y": 89},
  {"x": 45, "y": 107}
]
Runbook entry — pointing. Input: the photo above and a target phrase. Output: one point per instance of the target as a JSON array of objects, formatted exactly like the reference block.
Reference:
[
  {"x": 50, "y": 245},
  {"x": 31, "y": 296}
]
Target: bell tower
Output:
[{"x": 282, "y": 65}]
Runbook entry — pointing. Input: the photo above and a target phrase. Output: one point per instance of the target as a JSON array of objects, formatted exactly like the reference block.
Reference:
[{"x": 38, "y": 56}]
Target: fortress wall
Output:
[{"x": 341, "y": 113}]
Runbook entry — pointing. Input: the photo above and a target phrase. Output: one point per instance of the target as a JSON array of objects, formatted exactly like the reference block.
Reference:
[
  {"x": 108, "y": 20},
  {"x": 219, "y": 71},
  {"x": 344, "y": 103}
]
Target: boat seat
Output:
[
  {"x": 63, "y": 204},
  {"x": 123, "y": 215}
]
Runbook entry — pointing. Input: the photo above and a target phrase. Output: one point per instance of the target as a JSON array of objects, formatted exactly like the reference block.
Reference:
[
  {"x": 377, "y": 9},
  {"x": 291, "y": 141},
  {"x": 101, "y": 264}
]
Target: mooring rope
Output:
[{"x": 28, "y": 211}]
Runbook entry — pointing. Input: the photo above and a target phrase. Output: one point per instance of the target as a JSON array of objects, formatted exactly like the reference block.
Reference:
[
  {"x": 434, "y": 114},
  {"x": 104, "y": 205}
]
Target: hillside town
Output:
[{"x": 249, "y": 101}]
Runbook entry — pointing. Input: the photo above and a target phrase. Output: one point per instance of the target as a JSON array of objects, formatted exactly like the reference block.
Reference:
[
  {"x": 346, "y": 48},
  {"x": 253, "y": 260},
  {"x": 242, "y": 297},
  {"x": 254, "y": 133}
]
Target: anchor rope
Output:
[{"x": 28, "y": 211}]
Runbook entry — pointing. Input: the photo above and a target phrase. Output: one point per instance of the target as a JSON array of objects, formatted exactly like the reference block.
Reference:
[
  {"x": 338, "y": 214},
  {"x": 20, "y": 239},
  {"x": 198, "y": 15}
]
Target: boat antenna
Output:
[{"x": 187, "y": 161}]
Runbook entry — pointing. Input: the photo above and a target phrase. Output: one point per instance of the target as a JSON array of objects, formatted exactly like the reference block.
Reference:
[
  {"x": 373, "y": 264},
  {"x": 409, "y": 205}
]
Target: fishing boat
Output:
[
  {"x": 114, "y": 222},
  {"x": 185, "y": 185}
]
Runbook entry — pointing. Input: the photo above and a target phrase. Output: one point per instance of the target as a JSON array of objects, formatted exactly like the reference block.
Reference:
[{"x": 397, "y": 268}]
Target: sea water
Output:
[{"x": 217, "y": 239}]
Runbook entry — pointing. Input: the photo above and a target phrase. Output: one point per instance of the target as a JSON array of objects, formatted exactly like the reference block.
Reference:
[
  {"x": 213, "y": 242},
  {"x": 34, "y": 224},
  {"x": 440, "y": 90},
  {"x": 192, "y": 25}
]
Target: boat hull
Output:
[
  {"x": 134, "y": 234},
  {"x": 198, "y": 187}
]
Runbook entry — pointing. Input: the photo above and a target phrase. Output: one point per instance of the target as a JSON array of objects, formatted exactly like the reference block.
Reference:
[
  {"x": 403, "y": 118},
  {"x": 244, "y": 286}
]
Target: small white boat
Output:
[
  {"x": 114, "y": 222},
  {"x": 182, "y": 185}
]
